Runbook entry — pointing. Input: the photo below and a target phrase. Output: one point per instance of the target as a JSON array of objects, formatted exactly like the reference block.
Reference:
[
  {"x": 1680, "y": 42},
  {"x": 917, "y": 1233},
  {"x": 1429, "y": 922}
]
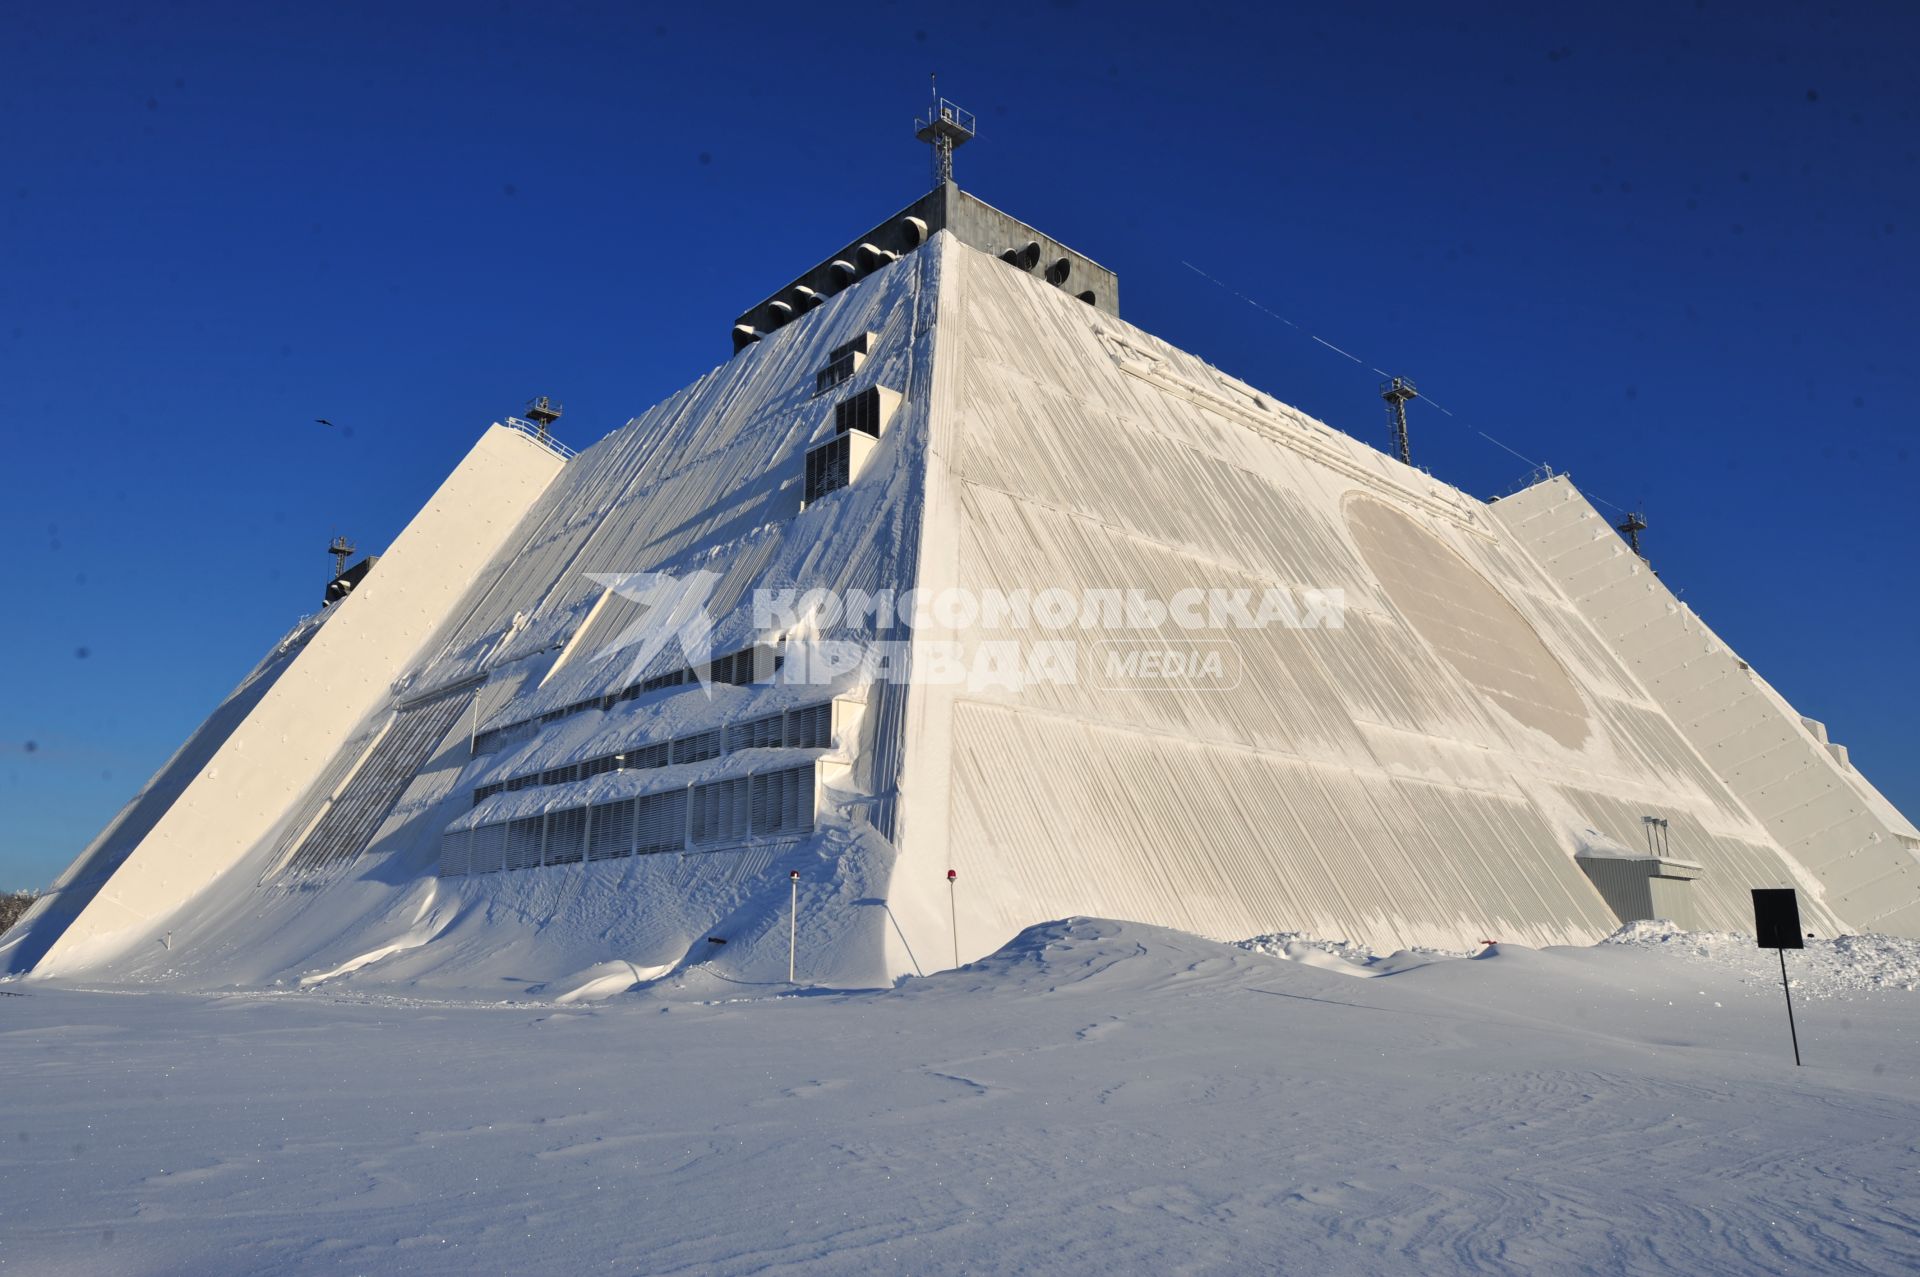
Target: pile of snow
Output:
[
  {"x": 1837, "y": 968},
  {"x": 1343, "y": 957},
  {"x": 1095, "y": 1096}
]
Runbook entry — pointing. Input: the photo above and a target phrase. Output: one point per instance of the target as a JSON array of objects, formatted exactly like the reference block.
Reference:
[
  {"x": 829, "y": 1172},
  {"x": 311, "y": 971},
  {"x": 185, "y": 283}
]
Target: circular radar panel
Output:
[{"x": 1468, "y": 622}]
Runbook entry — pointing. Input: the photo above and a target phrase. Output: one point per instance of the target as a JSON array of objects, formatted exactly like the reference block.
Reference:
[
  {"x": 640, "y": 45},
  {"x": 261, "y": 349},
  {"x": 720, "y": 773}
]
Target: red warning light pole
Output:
[{"x": 953, "y": 912}]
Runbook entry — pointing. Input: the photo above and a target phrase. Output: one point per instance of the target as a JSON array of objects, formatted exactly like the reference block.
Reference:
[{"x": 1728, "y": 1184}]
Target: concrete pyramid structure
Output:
[{"x": 950, "y": 568}]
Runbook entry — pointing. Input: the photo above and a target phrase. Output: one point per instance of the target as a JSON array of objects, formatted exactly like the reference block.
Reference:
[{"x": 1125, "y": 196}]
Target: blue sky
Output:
[{"x": 1667, "y": 248}]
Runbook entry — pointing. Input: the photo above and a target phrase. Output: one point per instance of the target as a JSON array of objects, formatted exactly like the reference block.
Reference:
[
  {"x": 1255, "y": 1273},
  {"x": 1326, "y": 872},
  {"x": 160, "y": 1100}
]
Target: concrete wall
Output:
[
  {"x": 1817, "y": 806},
  {"x": 1640, "y": 889},
  {"x": 344, "y": 673},
  {"x": 1420, "y": 774}
]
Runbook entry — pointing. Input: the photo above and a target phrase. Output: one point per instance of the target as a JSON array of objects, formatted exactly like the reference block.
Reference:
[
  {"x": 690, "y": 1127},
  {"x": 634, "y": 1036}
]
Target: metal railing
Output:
[
  {"x": 945, "y": 112},
  {"x": 541, "y": 437},
  {"x": 1538, "y": 475}
]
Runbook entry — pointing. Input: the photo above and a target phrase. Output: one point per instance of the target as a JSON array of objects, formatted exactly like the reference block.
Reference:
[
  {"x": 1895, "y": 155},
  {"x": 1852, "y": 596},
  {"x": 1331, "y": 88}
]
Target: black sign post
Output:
[{"x": 1776, "y": 923}]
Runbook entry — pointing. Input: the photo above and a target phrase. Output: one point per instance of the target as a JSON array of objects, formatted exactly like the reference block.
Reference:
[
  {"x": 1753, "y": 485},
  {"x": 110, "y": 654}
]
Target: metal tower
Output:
[
  {"x": 945, "y": 128},
  {"x": 341, "y": 550},
  {"x": 543, "y": 412},
  {"x": 1632, "y": 526},
  {"x": 1396, "y": 393}
]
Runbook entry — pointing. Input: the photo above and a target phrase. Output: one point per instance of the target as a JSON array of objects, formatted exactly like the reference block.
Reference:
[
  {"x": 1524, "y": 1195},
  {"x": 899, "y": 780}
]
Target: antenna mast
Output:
[
  {"x": 543, "y": 412},
  {"x": 341, "y": 550},
  {"x": 1632, "y": 526},
  {"x": 1396, "y": 393},
  {"x": 945, "y": 128}
]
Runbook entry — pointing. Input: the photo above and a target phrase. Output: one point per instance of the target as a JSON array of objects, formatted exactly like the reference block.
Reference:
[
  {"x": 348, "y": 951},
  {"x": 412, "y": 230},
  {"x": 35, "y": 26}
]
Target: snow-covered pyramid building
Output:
[{"x": 951, "y": 568}]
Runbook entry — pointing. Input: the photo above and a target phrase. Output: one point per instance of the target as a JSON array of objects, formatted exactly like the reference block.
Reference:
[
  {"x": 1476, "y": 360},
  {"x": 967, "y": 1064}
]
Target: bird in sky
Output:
[{"x": 323, "y": 421}]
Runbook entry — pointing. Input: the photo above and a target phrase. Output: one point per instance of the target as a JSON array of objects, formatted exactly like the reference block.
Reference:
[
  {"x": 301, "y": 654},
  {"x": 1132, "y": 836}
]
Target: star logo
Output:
[{"x": 676, "y": 611}]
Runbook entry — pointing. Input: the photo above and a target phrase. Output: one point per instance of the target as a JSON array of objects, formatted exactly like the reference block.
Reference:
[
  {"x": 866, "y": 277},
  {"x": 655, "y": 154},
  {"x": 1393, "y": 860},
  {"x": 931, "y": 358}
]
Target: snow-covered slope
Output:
[{"x": 1096, "y": 1097}]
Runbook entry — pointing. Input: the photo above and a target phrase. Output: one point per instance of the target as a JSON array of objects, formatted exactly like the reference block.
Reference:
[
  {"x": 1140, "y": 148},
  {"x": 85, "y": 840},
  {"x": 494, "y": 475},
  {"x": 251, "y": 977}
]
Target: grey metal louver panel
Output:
[
  {"x": 488, "y": 850},
  {"x": 646, "y": 757},
  {"x": 610, "y": 830},
  {"x": 783, "y": 801},
  {"x": 453, "y": 852},
  {"x": 523, "y": 842},
  {"x": 759, "y": 733},
  {"x": 711, "y": 815},
  {"x": 698, "y": 747},
  {"x": 660, "y": 822},
  {"x": 356, "y": 813},
  {"x": 566, "y": 836},
  {"x": 810, "y": 727},
  {"x": 721, "y": 811}
]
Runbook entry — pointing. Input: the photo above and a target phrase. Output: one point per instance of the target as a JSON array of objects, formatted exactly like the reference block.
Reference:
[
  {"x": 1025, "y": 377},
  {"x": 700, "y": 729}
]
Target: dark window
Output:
[
  {"x": 828, "y": 468},
  {"x": 835, "y": 373},
  {"x": 861, "y": 345},
  {"x": 859, "y": 412}
]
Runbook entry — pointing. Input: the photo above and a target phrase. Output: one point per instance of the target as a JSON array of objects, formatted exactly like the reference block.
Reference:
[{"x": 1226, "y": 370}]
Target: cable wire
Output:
[{"x": 1423, "y": 397}]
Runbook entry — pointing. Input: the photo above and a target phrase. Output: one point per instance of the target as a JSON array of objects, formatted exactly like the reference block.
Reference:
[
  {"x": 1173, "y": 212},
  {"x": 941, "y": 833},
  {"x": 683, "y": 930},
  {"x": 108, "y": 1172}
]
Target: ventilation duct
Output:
[
  {"x": 876, "y": 256},
  {"x": 1025, "y": 258},
  {"x": 1088, "y": 297},
  {"x": 782, "y": 311},
  {"x": 806, "y": 297},
  {"x": 915, "y": 231},
  {"x": 1058, "y": 272},
  {"x": 744, "y": 335},
  {"x": 844, "y": 269}
]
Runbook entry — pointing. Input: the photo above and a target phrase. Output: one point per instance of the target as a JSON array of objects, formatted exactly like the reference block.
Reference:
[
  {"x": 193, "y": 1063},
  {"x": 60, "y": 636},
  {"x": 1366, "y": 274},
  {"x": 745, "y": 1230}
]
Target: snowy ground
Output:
[{"x": 1098, "y": 1097}]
